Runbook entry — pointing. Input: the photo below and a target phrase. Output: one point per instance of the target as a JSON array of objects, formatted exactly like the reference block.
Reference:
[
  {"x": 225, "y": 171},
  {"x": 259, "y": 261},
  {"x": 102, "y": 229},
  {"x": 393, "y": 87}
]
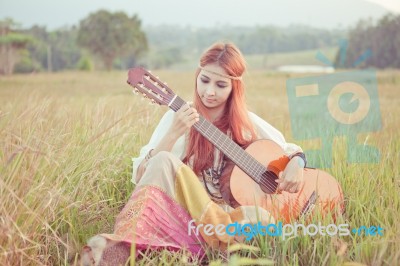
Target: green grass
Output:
[
  {"x": 66, "y": 142},
  {"x": 272, "y": 61}
]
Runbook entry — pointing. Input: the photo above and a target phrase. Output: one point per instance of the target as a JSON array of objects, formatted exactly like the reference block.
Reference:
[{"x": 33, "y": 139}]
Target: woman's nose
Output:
[{"x": 210, "y": 90}]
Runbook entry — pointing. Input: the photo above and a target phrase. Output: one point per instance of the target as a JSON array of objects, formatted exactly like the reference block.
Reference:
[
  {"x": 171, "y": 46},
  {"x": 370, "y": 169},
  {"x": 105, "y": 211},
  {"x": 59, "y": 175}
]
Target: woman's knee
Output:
[
  {"x": 161, "y": 159},
  {"x": 161, "y": 170}
]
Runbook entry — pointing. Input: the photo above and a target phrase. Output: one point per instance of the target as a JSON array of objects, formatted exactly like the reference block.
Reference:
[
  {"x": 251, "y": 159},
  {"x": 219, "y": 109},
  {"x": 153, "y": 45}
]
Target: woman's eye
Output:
[
  {"x": 204, "y": 80},
  {"x": 221, "y": 86}
]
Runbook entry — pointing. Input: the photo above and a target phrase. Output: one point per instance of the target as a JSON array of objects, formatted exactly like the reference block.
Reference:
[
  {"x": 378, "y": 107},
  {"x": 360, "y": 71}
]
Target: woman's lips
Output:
[{"x": 210, "y": 100}]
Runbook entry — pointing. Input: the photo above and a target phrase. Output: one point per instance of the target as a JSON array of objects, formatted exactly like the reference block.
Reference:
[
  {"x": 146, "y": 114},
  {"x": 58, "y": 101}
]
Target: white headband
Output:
[{"x": 221, "y": 74}]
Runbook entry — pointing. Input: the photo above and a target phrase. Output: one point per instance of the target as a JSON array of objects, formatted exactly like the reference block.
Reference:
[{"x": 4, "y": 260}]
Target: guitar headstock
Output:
[{"x": 150, "y": 86}]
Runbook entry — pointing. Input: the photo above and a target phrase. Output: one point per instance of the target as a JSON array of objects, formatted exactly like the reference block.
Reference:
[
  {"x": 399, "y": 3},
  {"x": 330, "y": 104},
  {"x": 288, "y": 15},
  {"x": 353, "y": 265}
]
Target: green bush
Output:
[{"x": 85, "y": 64}]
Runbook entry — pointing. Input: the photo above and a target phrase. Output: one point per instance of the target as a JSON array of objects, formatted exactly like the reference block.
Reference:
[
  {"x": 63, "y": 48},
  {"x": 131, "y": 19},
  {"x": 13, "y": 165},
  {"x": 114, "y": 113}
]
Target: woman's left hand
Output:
[{"x": 291, "y": 179}]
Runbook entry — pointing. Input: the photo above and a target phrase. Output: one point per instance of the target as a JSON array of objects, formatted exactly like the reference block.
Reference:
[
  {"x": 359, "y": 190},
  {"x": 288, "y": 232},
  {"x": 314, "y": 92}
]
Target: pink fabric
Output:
[{"x": 152, "y": 220}]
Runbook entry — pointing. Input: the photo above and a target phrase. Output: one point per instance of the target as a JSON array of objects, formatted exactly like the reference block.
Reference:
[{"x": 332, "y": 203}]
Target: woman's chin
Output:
[{"x": 210, "y": 104}]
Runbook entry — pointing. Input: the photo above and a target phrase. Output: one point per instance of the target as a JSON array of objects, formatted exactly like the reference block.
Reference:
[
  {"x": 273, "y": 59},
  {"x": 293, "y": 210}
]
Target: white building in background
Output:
[{"x": 306, "y": 69}]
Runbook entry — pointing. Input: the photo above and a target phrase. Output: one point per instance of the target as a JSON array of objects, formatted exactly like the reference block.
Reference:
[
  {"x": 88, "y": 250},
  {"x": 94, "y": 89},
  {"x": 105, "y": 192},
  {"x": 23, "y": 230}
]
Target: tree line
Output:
[
  {"x": 372, "y": 44},
  {"x": 103, "y": 38},
  {"x": 118, "y": 41}
]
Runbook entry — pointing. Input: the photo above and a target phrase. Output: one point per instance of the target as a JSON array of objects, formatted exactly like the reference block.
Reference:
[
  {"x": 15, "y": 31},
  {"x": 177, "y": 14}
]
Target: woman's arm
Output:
[
  {"x": 292, "y": 177},
  {"x": 165, "y": 144},
  {"x": 170, "y": 129}
]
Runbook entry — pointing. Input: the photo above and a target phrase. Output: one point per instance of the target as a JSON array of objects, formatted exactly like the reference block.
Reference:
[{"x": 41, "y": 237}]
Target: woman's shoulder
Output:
[
  {"x": 265, "y": 129},
  {"x": 255, "y": 118}
]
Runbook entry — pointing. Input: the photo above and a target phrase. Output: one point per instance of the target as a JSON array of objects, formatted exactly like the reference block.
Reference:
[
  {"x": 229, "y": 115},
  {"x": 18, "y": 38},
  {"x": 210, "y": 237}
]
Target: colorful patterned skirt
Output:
[{"x": 168, "y": 197}]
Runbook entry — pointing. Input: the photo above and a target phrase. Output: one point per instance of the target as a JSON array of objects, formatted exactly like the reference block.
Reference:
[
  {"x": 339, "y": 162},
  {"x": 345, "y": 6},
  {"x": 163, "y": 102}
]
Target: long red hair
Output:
[{"x": 235, "y": 117}]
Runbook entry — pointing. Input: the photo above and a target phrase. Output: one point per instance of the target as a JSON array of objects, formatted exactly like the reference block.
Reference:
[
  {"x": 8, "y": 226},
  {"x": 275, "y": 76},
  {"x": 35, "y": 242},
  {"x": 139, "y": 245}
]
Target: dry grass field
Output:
[{"x": 66, "y": 142}]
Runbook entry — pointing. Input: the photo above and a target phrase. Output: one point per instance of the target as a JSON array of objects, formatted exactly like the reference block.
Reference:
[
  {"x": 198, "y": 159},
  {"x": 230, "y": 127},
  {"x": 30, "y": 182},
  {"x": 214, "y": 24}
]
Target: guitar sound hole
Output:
[{"x": 267, "y": 182}]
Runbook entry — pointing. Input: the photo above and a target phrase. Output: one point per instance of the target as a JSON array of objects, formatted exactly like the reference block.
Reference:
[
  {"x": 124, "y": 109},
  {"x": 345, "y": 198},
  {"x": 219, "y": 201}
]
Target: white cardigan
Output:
[{"x": 263, "y": 129}]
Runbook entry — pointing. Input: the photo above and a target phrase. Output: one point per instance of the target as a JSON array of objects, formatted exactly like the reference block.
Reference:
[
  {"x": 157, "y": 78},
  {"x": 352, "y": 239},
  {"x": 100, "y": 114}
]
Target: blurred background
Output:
[{"x": 284, "y": 35}]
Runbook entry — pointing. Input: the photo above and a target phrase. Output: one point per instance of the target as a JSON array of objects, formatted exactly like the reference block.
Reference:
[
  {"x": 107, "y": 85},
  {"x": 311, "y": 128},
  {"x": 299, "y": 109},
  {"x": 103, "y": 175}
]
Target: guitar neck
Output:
[{"x": 226, "y": 145}]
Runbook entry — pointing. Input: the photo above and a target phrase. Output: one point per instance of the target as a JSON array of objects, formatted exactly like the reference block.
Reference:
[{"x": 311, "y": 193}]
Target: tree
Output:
[
  {"x": 111, "y": 35},
  {"x": 11, "y": 45}
]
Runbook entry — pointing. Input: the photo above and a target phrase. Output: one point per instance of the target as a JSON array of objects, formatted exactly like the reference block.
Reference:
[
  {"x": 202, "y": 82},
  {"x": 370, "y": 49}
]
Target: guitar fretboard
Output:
[{"x": 232, "y": 150}]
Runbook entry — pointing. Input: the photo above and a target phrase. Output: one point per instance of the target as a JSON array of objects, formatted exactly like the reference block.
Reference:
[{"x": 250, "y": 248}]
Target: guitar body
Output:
[{"x": 238, "y": 189}]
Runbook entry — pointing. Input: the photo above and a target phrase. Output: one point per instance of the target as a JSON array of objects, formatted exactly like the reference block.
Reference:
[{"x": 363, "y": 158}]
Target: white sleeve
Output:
[
  {"x": 266, "y": 131},
  {"x": 160, "y": 131}
]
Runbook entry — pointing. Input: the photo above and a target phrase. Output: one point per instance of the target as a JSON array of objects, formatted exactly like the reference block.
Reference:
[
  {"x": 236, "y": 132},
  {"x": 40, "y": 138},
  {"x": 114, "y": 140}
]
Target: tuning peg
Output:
[
  {"x": 136, "y": 91},
  {"x": 152, "y": 101}
]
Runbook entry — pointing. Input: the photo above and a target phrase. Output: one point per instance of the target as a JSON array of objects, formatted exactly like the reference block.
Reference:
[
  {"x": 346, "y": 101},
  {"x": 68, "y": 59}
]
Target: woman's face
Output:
[{"x": 212, "y": 88}]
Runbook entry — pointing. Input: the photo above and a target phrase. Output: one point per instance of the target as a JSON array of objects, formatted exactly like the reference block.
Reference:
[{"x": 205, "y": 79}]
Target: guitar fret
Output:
[
  {"x": 215, "y": 136},
  {"x": 209, "y": 125},
  {"x": 201, "y": 122},
  {"x": 224, "y": 146},
  {"x": 218, "y": 137}
]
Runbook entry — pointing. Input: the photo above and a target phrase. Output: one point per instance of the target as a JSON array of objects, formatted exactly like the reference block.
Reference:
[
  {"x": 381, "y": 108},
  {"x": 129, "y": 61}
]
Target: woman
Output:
[{"x": 177, "y": 173}]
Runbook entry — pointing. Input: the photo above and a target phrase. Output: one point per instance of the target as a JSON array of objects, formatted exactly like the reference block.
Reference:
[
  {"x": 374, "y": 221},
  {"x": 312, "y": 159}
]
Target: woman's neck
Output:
[{"x": 215, "y": 113}]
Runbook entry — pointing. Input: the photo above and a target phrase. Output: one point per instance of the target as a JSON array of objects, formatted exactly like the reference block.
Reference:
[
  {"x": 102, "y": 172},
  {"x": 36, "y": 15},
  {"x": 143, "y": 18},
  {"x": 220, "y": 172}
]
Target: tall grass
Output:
[{"x": 66, "y": 145}]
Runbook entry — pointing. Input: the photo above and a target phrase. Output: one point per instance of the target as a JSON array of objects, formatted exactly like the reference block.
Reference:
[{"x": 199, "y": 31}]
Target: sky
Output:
[
  {"x": 204, "y": 13},
  {"x": 392, "y": 5}
]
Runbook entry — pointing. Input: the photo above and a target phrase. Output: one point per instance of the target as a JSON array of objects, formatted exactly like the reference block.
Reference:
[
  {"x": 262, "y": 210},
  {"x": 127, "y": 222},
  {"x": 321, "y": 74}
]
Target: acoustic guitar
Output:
[{"x": 250, "y": 174}]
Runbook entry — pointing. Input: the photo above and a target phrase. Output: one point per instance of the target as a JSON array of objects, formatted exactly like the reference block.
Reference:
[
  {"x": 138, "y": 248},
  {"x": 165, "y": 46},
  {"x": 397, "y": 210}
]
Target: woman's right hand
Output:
[{"x": 184, "y": 119}]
